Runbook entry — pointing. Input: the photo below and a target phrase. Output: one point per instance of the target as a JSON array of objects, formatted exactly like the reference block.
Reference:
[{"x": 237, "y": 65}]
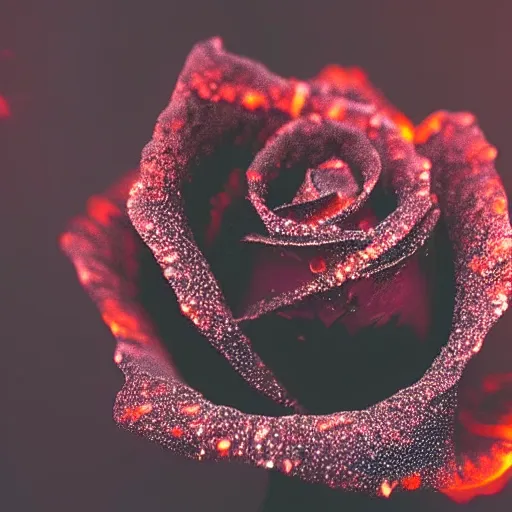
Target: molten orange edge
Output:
[
  {"x": 355, "y": 78},
  {"x": 487, "y": 473}
]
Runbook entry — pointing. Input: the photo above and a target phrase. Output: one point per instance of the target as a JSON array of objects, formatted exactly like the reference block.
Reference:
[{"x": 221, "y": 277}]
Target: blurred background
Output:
[{"x": 81, "y": 85}]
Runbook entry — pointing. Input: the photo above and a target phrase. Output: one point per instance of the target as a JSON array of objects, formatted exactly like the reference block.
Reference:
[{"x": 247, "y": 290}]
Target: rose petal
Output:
[{"x": 404, "y": 441}]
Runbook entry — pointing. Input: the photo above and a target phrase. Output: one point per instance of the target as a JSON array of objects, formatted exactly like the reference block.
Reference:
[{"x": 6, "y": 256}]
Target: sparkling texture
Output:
[{"x": 330, "y": 125}]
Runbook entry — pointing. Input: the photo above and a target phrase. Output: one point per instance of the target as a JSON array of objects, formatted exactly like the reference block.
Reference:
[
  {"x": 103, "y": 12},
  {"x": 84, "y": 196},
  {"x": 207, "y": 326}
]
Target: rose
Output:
[{"x": 340, "y": 132}]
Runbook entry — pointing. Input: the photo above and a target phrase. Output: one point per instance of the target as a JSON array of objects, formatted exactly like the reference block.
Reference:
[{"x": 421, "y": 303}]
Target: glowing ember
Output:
[
  {"x": 317, "y": 265},
  {"x": 287, "y": 466},
  {"x": 223, "y": 446},
  {"x": 411, "y": 483},
  {"x": 136, "y": 413},
  {"x": 253, "y": 100},
  {"x": 387, "y": 488},
  {"x": 299, "y": 99},
  {"x": 191, "y": 410},
  {"x": 177, "y": 432}
]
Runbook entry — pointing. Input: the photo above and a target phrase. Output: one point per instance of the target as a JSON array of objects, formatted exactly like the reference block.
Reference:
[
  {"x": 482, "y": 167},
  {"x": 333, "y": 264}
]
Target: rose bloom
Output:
[{"x": 288, "y": 250}]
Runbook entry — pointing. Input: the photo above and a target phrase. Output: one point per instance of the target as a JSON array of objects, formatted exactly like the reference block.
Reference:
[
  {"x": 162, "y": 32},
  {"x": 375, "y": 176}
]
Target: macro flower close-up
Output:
[
  {"x": 257, "y": 256},
  {"x": 298, "y": 226}
]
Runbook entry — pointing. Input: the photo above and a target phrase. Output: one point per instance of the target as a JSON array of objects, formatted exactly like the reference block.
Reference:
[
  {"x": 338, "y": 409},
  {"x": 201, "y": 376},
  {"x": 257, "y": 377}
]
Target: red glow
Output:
[
  {"x": 253, "y": 175},
  {"x": 135, "y": 413},
  {"x": 335, "y": 206},
  {"x": 5, "y": 109},
  {"x": 102, "y": 210},
  {"x": 317, "y": 265},
  {"x": 176, "y": 432},
  {"x": 411, "y": 483}
]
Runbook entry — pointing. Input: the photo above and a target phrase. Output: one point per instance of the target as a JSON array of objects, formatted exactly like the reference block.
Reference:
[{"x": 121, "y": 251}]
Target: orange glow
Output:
[
  {"x": 299, "y": 99},
  {"x": 405, "y": 126},
  {"x": 495, "y": 254},
  {"x": 486, "y": 473},
  {"x": 499, "y": 205},
  {"x": 287, "y": 465},
  {"x": 335, "y": 206},
  {"x": 430, "y": 126},
  {"x": 135, "y": 413},
  {"x": 337, "y": 111},
  {"x": 332, "y": 164},
  {"x": 253, "y": 100},
  {"x": 223, "y": 446},
  {"x": 479, "y": 265},
  {"x": 5, "y": 109},
  {"x": 190, "y": 313},
  {"x": 190, "y": 410},
  {"x": 355, "y": 78},
  {"x": 324, "y": 425},
  {"x": 387, "y": 488},
  {"x": 121, "y": 323},
  {"x": 482, "y": 151},
  {"x": 489, "y": 153},
  {"x": 500, "y": 250}
]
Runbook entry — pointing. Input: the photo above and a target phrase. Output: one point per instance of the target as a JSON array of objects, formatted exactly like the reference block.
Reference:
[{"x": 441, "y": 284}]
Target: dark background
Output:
[{"x": 86, "y": 81}]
